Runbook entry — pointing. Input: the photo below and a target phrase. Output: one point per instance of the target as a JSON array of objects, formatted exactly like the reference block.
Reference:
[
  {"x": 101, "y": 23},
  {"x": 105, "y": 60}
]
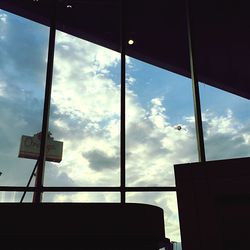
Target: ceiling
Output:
[{"x": 220, "y": 29}]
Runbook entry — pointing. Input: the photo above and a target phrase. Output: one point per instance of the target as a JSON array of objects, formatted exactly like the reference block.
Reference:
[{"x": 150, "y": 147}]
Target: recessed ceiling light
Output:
[{"x": 131, "y": 42}]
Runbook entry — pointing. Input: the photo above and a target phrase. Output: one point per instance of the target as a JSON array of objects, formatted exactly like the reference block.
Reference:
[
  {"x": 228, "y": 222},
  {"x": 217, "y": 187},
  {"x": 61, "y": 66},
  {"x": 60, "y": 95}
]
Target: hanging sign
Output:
[{"x": 30, "y": 148}]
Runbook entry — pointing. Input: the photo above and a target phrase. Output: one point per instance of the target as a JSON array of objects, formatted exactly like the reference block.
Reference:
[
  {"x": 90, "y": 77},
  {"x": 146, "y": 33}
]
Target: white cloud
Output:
[
  {"x": 81, "y": 86},
  {"x": 3, "y": 18},
  {"x": 154, "y": 145},
  {"x": 2, "y": 89},
  {"x": 246, "y": 138},
  {"x": 225, "y": 136},
  {"x": 157, "y": 115},
  {"x": 130, "y": 80},
  {"x": 220, "y": 124}
]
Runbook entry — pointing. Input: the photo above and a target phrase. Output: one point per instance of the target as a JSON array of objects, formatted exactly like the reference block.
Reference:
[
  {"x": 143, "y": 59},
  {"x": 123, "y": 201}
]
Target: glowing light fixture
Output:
[
  {"x": 131, "y": 42},
  {"x": 69, "y": 6}
]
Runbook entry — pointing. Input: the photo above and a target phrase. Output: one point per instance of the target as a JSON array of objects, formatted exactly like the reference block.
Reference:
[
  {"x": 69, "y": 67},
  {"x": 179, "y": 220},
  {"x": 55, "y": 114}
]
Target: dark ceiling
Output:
[{"x": 221, "y": 33}]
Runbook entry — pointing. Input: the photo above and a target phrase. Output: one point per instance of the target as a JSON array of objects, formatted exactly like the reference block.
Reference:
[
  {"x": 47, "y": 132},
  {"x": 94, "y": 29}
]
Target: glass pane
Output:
[
  {"x": 159, "y": 124},
  {"x": 15, "y": 197},
  {"x": 159, "y": 103},
  {"x": 82, "y": 197},
  {"x": 226, "y": 123},
  {"x": 166, "y": 201},
  {"x": 23, "y": 55},
  {"x": 85, "y": 112}
]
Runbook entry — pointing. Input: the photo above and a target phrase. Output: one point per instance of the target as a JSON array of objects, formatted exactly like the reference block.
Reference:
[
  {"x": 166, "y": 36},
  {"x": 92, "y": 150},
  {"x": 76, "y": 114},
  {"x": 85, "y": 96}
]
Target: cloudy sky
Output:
[{"x": 85, "y": 115}]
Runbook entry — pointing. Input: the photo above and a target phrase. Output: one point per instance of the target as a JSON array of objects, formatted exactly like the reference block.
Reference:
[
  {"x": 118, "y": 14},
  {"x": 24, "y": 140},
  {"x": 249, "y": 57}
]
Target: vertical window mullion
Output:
[
  {"x": 123, "y": 108},
  {"x": 196, "y": 94},
  {"x": 37, "y": 198}
]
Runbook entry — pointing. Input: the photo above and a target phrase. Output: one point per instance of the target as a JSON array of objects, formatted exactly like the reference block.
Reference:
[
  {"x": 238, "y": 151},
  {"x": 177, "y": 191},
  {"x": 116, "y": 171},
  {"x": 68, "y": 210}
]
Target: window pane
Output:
[
  {"x": 15, "y": 197},
  {"x": 85, "y": 114},
  {"x": 82, "y": 197},
  {"x": 23, "y": 55},
  {"x": 159, "y": 124},
  {"x": 226, "y": 123},
  {"x": 166, "y": 201}
]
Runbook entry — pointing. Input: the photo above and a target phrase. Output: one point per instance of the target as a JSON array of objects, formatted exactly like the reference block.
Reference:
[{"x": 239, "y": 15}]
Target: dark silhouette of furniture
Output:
[
  {"x": 214, "y": 204},
  {"x": 81, "y": 226}
]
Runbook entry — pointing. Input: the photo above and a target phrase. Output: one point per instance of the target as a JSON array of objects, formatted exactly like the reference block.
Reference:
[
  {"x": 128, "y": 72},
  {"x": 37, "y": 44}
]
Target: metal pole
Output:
[
  {"x": 123, "y": 104},
  {"x": 37, "y": 198},
  {"x": 196, "y": 94}
]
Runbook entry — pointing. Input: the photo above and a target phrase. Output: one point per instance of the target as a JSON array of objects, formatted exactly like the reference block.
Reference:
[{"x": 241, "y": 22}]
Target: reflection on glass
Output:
[
  {"x": 226, "y": 124},
  {"x": 85, "y": 114},
  {"x": 23, "y": 54},
  {"x": 159, "y": 124},
  {"x": 82, "y": 197},
  {"x": 168, "y": 202}
]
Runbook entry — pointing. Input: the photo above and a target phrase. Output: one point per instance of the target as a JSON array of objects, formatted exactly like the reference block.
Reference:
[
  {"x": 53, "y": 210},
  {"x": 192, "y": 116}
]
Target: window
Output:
[
  {"x": 226, "y": 120},
  {"x": 23, "y": 55},
  {"x": 159, "y": 117},
  {"x": 85, "y": 114},
  {"x": 159, "y": 123},
  {"x": 95, "y": 197}
]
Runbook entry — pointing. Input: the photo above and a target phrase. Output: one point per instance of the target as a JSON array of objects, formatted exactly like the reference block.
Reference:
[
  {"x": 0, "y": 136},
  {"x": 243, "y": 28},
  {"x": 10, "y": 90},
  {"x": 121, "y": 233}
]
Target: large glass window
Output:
[
  {"x": 85, "y": 109},
  {"x": 160, "y": 129},
  {"x": 85, "y": 116},
  {"x": 159, "y": 133},
  {"x": 160, "y": 124},
  {"x": 23, "y": 55}
]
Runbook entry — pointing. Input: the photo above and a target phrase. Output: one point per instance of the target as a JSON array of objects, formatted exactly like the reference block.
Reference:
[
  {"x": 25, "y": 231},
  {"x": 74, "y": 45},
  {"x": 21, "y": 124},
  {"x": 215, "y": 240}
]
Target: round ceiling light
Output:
[{"x": 131, "y": 42}]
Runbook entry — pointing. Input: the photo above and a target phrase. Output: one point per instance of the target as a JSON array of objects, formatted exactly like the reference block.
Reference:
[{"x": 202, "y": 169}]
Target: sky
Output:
[{"x": 85, "y": 115}]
